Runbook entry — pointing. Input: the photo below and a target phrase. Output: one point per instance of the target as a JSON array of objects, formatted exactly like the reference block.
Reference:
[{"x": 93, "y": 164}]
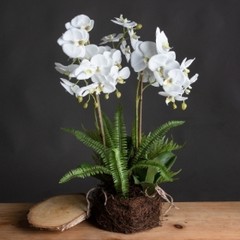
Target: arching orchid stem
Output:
[
  {"x": 100, "y": 119},
  {"x": 139, "y": 108},
  {"x": 140, "y": 111}
]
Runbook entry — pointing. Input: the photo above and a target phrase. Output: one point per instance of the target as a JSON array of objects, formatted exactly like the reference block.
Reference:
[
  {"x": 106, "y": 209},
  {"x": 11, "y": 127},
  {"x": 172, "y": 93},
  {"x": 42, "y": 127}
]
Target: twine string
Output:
[
  {"x": 88, "y": 197},
  {"x": 167, "y": 197}
]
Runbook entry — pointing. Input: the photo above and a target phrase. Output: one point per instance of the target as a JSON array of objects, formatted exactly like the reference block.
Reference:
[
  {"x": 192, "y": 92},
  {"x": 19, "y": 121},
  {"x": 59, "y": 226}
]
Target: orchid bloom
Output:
[
  {"x": 124, "y": 22},
  {"x": 73, "y": 42},
  {"x": 66, "y": 70},
  {"x": 82, "y": 22},
  {"x": 141, "y": 55},
  {"x": 126, "y": 51},
  {"x": 161, "y": 41},
  {"x": 111, "y": 38},
  {"x": 98, "y": 69},
  {"x": 161, "y": 64}
]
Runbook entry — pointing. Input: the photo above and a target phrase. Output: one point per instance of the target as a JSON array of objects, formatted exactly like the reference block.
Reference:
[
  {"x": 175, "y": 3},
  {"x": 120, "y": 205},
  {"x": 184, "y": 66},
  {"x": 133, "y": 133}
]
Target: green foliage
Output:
[
  {"x": 152, "y": 138},
  {"x": 161, "y": 146},
  {"x": 156, "y": 171},
  {"x": 119, "y": 163},
  {"x": 113, "y": 156},
  {"x": 90, "y": 142},
  {"x": 85, "y": 170}
]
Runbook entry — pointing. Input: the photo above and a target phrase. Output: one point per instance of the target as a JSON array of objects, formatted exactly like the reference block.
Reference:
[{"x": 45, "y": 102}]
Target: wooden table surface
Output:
[{"x": 193, "y": 221}]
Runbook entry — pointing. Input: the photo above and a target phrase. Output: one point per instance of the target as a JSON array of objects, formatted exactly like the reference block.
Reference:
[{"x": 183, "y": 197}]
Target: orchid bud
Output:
[
  {"x": 184, "y": 106},
  {"x": 118, "y": 94},
  {"x": 174, "y": 106},
  {"x": 85, "y": 105},
  {"x": 80, "y": 99},
  {"x": 139, "y": 26},
  {"x": 96, "y": 104}
]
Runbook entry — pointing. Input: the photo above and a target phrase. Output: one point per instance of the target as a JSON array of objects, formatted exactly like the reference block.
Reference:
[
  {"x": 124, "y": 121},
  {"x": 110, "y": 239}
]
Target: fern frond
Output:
[
  {"x": 119, "y": 161},
  {"x": 161, "y": 146},
  {"x": 85, "y": 170},
  {"x": 159, "y": 133},
  {"x": 91, "y": 143},
  {"x": 108, "y": 130}
]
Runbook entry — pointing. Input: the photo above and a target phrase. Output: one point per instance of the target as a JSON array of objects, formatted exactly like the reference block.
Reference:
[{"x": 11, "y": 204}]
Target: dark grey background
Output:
[{"x": 35, "y": 153}]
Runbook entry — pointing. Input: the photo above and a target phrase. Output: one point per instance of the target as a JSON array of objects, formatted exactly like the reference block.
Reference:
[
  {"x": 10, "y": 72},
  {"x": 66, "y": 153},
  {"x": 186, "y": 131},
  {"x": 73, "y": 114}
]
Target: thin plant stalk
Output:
[
  {"x": 139, "y": 109},
  {"x": 100, "y": 119}
]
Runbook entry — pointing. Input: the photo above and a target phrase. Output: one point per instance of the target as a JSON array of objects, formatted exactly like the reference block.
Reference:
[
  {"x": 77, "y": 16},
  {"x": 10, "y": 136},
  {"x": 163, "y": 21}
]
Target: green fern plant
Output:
[
  {"x": 113, "y": 157},
  {"x": 118, "y": 161}
]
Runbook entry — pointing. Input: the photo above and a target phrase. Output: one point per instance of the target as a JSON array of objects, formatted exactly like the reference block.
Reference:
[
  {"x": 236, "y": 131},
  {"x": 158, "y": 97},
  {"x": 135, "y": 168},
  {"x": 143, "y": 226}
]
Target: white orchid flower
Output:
[
  {"x": 88, "y": 89},
  {"x": 73, "y": 42},
  {"x": 124, "y": 22},
  {"x": 194, "y": 78},
  {"x": 148, "y": 76},
  {"x": 161, "y": 64},
  {"x": 172, "y": 97},
  {"x": 85, "y": 70},
  {"x": 161, "y": 41},
  {"x": 109, "y": 85},
  {"x": 141, "y": 55},
  {"x": 82, "y": 22},
  {"x": 102, "y": 63},
  {"x": 175, "y": 80},
  {"x": 173, "y": 86},
  {"x": 70, "y": 87},
  {"x": 185, "y": 64},
  {"x": 105, "y": 83},
  {"x": 123, "y": 74},
  {"x": 115, "y": 56},
  {"x": 111, "y": 38},
  {"x": 187, "y": 85},
  {"x": 126, "y": 51},
  {"x": 92, "y": 50},
  {"x": 134, "y": 38},
  {"x": 66, "y": 70}
]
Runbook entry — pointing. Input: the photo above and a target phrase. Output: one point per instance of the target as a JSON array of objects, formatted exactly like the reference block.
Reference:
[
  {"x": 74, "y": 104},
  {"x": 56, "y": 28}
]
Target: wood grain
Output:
[{"x": 193, "y": 221}]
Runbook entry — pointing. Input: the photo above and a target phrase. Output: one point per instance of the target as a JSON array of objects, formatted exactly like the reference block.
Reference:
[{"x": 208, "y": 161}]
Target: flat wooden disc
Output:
[{"x": 59, "y": 212}]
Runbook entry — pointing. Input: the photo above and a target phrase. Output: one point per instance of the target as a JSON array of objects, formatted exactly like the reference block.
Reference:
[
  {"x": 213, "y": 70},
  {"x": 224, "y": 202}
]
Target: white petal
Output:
[
  {"x": 82, "y": 21},
  {"x": 181, "y": 98},
  {"x": 186, "y": 63},
  {"x": 60, "y": 41},
  {"x": 177, "y": 76},
  {"x": 68, "y": 85},
  {"x": 158, "y": 77},
  {"x": 68, "y": 25},
  {"x": 74, "y": 51},
  {"x": 194, "y": 78},
  {"x": 99, "y": 60},
  {"x": 76, "y": 35},
  {"x": 148, "y": 48},
  {"x": 124, "y": 73},
  {"x": 117, "y": 57},
  {"x": 157, "y": 61},
  {"x": 91, "y": 50},
  {"x": 65, "y": 69},
  {"x": 84, "y": 91},
  {"x": 137, "y": 62},
  {"x": 161, "y": 41},
  {"x": 98, "y": 78}
]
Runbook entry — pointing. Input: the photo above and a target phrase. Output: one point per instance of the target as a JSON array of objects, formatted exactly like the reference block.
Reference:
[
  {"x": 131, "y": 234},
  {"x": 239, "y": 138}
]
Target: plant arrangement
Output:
[{"x": 130, "y": 165}]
